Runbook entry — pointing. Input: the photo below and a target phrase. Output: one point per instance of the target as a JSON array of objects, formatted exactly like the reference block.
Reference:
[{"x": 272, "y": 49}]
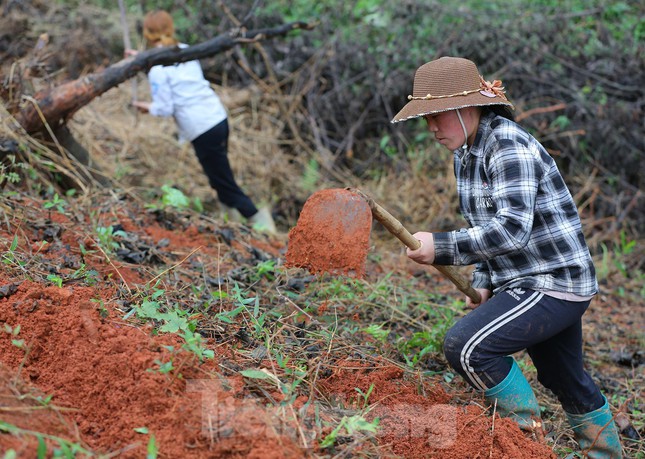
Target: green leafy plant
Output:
[
  {"x": 617, "y": 259},
  {"x": 57, "y": 203},
  {"x": 264, "y": 269},
  {"x": 14, "y": 331},
  {"x": 194, "y": 343},
  {"x": 175, "y": 198},
  {"x": 311, "y": 175},
  {"x": 66, "y": 449},
  {"x": 176, "y": 321},
  {"x": 106, "y": 237},
  {"x": 8, "y": 172},
  {"x": 365, "y": 395},
  {"x": 387, "y": 147},
  {"x": 103, "y": 311},
  {"x": 55, "y": 279},
  {"x": 377, "y": 331},
  {"x": 622, "y": 250},
  {"x": 152, "y": 449},
  {"x": 422, "y": 342},
  {"x": 89, "y": 276},
  {"x": 351, "y": 425},
  {"x": 10, "y": 257},
  {"x": 165, "y": 367}
]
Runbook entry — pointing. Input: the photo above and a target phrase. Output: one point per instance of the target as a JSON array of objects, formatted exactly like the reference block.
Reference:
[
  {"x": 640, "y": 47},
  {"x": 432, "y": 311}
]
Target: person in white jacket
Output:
[{"x": 181, "y": 91}]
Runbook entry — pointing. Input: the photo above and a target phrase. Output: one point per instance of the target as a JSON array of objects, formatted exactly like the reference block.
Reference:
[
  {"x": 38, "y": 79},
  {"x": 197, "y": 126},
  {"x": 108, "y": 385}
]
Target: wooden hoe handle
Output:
[{"x": 397, "y": 229}]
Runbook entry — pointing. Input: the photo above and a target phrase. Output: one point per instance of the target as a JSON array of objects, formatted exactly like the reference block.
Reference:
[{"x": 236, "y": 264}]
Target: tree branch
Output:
[{"x": 55, "y": 105}]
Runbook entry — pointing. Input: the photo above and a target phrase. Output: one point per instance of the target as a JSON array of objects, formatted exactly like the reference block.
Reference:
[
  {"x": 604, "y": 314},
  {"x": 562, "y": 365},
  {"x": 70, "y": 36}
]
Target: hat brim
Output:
[{"x": 418, "y": 108}]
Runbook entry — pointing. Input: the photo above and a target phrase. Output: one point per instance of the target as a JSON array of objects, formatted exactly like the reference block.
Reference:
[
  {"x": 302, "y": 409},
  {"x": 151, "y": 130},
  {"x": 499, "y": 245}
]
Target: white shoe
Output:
[
  {"x": 231, "y": 214},
  {"x": 263, "y": 221}
]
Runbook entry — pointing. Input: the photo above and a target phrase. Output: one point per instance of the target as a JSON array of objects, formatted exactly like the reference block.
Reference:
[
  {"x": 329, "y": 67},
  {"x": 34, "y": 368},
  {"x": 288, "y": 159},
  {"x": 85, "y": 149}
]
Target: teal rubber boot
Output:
[
  {"x": 596, "y": 433},
  {"x": 514, "y": 398}
]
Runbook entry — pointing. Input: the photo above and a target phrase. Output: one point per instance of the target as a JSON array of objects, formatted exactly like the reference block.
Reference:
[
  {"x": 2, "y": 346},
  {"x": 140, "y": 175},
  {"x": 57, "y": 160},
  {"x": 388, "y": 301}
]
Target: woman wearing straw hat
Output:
[
  {"x": 533, "y": 269},
  {"x": 181, "y": 91}
]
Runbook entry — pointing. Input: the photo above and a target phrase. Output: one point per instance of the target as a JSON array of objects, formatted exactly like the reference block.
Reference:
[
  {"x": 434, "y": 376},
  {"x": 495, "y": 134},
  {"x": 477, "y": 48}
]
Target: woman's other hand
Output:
[
  {"x": 141, "y": 106},
  {"x": 424, "y": 254},
  {"x": 485, "y": 295}
]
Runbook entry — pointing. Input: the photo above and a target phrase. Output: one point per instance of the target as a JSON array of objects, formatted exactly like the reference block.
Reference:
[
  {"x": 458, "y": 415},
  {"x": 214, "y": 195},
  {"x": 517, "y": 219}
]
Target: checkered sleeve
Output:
[
  {"x": 516, "y": 174},
  {"x": 524, "y": 224}
]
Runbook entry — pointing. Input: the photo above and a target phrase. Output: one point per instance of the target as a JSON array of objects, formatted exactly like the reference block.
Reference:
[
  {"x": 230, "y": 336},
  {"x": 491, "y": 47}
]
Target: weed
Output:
[
  {"x": 311, "y": 175},
  {"x": 377, "y": 331},
  {"x": 165, "y": 367},
  {"x": 264, "y": 269},
  {"x": 153, "y": 449},
  {"x": 8, "y": 172},
  {"x": 103, "y": 311},
  {"x": 43, "y": 401},
  {"x": 56, "y": 280},
  {"x": 14, "y": 331},
  {"x": 57, "y": 203},
  {"x": 194, "y": 344},
  {"x": 89, "y": 276},
  {"x": 387, "y": 147},
  {"x": 341, "y": 289},
  {"x": 106, "y": 237},
  {"x": 66, "y": 448},
  {"x": 294, "y": 369},
  {"x": 11, "y": 257},
  {"x": 175, "y": 198},
  {"x": 623, "y": 249},
  {"x": 352, "y": 425},
  {"x": 365, "y": 395},
  {"x": 421, "y": 343},
  {"x": 173, "y": 321}
]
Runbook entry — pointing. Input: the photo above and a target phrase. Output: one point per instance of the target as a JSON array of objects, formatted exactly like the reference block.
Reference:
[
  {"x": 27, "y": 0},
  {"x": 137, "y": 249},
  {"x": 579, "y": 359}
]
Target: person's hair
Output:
[
  {"x": 159, "y": 29},
  {"x": 501, "y": 110}
]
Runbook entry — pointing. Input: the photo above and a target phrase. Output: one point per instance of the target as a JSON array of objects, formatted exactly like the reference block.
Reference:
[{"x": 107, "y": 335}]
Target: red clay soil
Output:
[
  {"x": 416, "y": 418},
  {"x": 97, "y": 370},
  {"x": 87, "y": 374},
  {"x": 332, "y": 234}
]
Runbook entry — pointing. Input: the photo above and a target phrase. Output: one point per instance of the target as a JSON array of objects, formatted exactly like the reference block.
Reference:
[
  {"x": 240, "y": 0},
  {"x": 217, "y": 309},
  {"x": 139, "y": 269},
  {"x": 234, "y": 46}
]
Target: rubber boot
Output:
[
  {"x": 596, "y": 433},
  {"x": 263, "y": 221},
  {"x": 514, "y": 398}
]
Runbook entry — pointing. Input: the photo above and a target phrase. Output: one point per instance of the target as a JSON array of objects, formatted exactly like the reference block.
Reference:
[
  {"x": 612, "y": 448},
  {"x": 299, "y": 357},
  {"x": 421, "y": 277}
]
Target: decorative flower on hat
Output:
[{"x": 493, "y": 89}]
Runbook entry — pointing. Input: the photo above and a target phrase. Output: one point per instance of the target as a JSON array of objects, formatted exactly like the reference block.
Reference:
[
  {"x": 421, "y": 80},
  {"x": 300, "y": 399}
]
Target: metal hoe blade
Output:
[{"x": 332, "y": 234}]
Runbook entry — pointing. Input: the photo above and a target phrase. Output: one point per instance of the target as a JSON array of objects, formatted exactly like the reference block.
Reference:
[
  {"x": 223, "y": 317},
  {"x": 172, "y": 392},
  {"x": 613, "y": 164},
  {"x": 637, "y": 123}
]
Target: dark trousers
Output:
[
  {"x": 549, "y": 329},
  {"x": 212, "y": 151}
]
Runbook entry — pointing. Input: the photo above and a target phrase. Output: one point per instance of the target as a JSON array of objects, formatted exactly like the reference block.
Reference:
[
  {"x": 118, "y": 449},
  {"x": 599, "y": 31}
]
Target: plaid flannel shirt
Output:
[{"x": 524, "y": 225}]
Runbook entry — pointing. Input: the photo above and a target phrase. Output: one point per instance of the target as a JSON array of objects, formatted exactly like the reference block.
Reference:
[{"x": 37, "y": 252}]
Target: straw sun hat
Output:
[{"x": 449, "y": 83}]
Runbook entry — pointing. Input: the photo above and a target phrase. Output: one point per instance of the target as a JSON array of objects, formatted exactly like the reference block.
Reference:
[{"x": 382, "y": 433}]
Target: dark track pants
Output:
[
  {"x": 211, "y": 149},
  {"x": 549, "y": 329}
]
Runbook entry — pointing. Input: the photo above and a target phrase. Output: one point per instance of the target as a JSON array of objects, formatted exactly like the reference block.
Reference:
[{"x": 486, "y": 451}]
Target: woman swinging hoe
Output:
[{"x": 533, "y": 269}]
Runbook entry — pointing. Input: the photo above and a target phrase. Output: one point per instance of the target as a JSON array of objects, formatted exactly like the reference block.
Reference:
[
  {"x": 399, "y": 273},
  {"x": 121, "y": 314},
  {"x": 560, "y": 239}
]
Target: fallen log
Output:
[{"x": 54, "y": 106}]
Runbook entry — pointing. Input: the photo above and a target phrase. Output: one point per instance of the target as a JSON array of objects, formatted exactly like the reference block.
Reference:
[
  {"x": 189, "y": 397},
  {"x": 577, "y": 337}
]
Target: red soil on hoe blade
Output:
[{"x": 332, "y": 234}]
